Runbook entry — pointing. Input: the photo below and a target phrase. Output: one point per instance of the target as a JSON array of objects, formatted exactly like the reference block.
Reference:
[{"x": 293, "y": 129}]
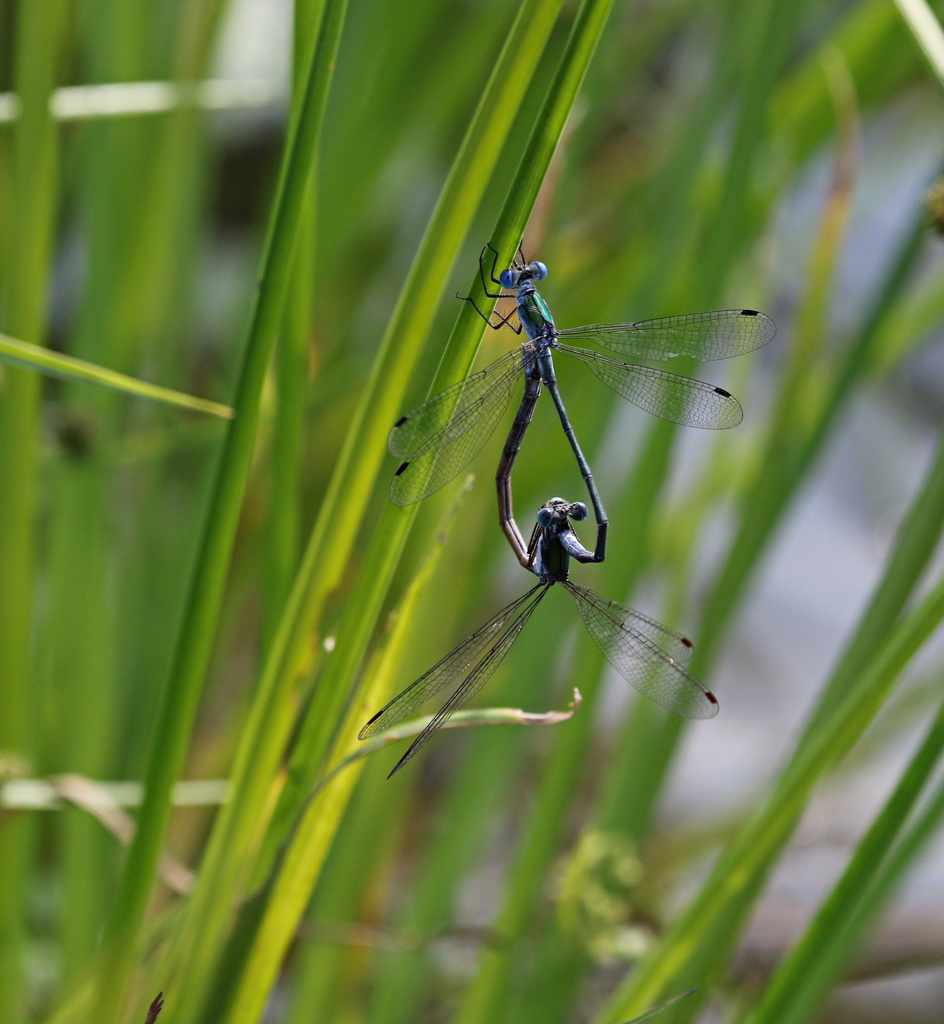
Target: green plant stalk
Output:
[
  {"x": 793, "y": 409},
  {"x": 763, "y": 506},
  {"x": 319, "y": 982},
  {"x": 473, "y": 802},
  {"x": 381, "y": 559},
  {"x": 486, "y": 997},
  {"x": 720, "y": 903},
  {"x": 202, "y": 610},
  {"x": 291, "y": 376},
  {"x": 835, "y": 956},
  {"x": 927, "y": 33},
  {"x": 365, "y": 834},
  {"x": 649, "y": 741},
  {"x": 789, "y": 997},
  {"x": 81, "y": 674},
  {"x": 309, "y": 846},
  {"x": 40, "y": 34},
  {"x": 341, "y": 670},
  {"x": 915, "y": 543},
  {"x": 55, "y": 364},
  {"x": 288, "y": 661},
  {"x": 487, "y": 992},
  {"x": 763, "y": 38},
  {"x": 136, "y": 235},
  {"x": 769, "y": 495}
]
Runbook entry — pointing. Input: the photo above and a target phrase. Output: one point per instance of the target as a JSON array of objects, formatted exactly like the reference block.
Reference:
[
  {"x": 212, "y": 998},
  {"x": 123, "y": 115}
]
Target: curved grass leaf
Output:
[{"x": 55, "y": 364}]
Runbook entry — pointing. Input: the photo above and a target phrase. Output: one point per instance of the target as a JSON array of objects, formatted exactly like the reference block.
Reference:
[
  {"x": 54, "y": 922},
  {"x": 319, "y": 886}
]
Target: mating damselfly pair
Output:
[{"x": 440, "y": 437}]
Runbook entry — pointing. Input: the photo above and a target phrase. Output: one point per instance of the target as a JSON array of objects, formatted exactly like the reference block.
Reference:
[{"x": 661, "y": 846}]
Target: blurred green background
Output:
[{"x": 186, "y": 596}]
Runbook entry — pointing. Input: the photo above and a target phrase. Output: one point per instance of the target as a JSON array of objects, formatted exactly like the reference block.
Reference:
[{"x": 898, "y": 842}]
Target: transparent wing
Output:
[
  {"x": 675, "y": 645},
  {"x": 692, "y": 403},
  {"x": 443, "y": 435},
  {"x": 639, "y": 659},
  {"x": 481, "y": 652},
  {"x": 660, "y": 1008},
  {"x": 718, "y": 334}
]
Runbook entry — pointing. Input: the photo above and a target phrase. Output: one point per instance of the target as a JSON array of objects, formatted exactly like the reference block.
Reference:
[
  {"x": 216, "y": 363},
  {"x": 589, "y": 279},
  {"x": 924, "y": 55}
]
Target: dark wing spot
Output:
[
  {"x": 400, "y": 421},
  {"x": 401, "y": 469},
  {"x": 744, "y": 312},
  {"x": 718, "y": 391},
  {"x": 686, "y": 641},
  {"x": 711, "y": 697}
]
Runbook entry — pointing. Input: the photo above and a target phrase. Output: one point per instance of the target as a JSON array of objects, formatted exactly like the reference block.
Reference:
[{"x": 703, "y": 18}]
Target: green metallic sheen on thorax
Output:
[{"x": 534, "y": 314}]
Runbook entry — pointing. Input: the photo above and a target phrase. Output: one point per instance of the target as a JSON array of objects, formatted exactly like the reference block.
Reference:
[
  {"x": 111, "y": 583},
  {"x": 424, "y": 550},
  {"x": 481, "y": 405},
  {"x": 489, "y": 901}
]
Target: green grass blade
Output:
[
  {"x": 342, "y": 506},
  {"x": 54, "y": 364},
  {"x": 28, "y": 241},
  {"x": 384, "y": 551},
  {"x": 725, "y": 897},
  {"x": 309, "y": 845},
  {"x": 927, "y": 32},
  {"x": 799, "y": 982},
  {"x": 827, "y": 969},
  {"x": 196, "y": 638},
  {"x": 720, "y": 905}
]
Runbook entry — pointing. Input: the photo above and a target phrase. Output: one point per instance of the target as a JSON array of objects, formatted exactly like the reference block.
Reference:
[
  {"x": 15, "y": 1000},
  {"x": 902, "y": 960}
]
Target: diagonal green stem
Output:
[
  {"x": 201, "y": 612},
  {"x": 28, "y": 240},
  {"x": 343, "y": 506},
  {"x": 309, "y": 845},
  {"x": 714, "y": 915},
  {"x": 789, "y": 997},
  {"x": 712, "y": 918}
]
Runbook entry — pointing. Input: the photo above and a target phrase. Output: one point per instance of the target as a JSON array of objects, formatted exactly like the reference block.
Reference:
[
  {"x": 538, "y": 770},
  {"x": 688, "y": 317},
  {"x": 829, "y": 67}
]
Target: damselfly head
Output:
[
  {"x": 578, "y": 511},
  {"x": 512, "y": 277},
  {"x": 537, "y": 271},
  {"x": 555, "y": 509}
]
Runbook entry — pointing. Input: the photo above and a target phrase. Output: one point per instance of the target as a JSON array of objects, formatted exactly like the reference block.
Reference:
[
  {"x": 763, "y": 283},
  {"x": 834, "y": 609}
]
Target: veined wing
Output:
[
  {"x": 660, "y": 1008},
  {"x": 641, "y": 661},
  {"x": 443, "y": 435},
  {"x": 717, "y": 334},
  {"x": 475, "y": 658},
  {"x": 675, "y": 645},
  {"x": 692, "y": 403},
  {"x": 435, "y": 420}
]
